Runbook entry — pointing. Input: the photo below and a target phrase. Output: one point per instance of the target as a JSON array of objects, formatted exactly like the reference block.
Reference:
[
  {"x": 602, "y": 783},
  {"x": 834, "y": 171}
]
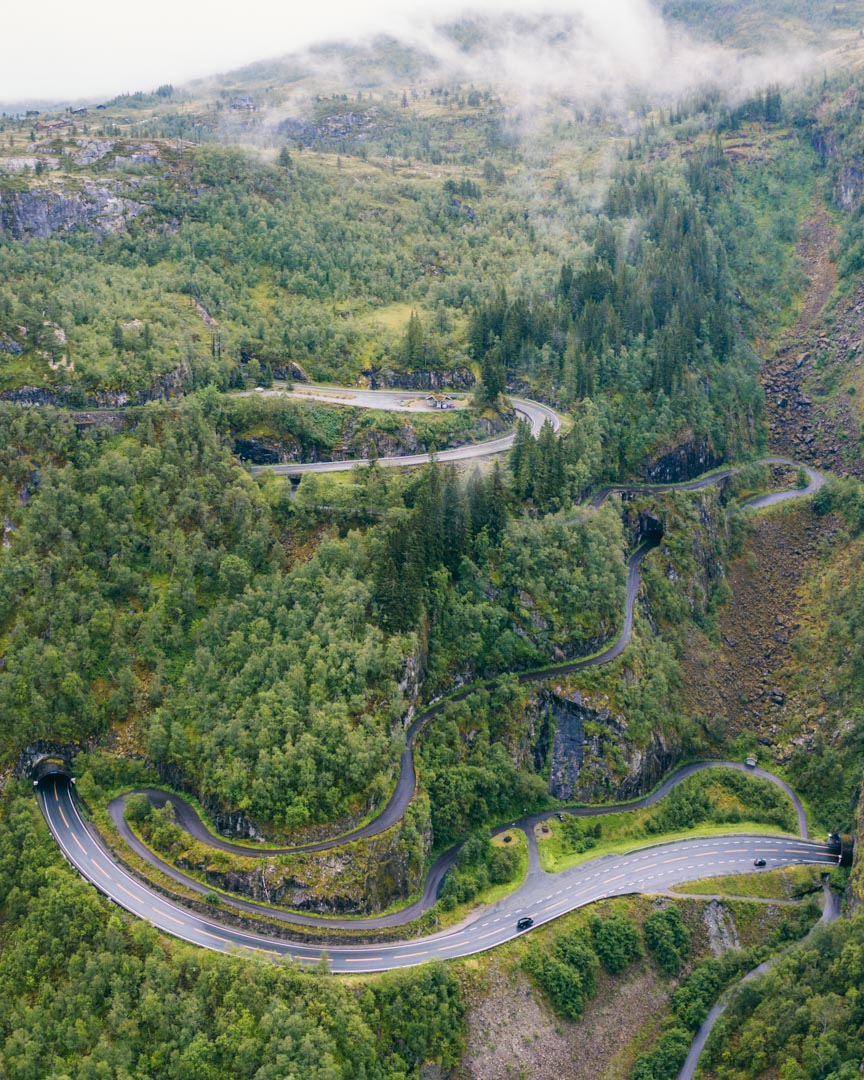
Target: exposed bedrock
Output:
[
  {"x": 40, "y": 214},
  {"x": 358, "y": 879},
  {"x": 164, "y": 388},
  {"x": 387, "y": 379},
  {"x": 590, "y": 753},
  {"x": 684, "y": 462},
  {"x": 357, "y": 443}
]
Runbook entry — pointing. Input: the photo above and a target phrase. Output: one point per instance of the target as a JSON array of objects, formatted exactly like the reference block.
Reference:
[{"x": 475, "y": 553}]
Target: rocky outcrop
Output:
[
  {"x": 358, "y": 442},
  {"x": 110, "y": 421},
  {"x": 291, "y": 372},
  {"x": 10, "y": 345},
  {"x": 143, "y": 157},
  {"x": 411, "y": 683},
  {"x": 167, "y": 386},
  {"x": 847, "y": 176},
  {"x": 720, "y": 926},
  {"x": 42, "y": 212},
  {"x": 32, "y": 395},
  {"x": 19, "y": 164},
  {"x": 92, "y": 150},
  {"x": 358, "y": 879},
  {"x": 258, "y": 452},
  {"x": 590, "y": 754},
  {"x": 164, "y": 388},
  {"x": 387, "y": 379},
  {"x": 684, "y": 462}
]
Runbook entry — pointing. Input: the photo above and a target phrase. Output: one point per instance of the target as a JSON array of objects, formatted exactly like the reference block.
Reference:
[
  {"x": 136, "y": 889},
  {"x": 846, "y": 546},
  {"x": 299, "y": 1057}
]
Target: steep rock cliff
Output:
[
  {"x": 362, "y": 878},
  {"x": 386, "y": 379},
  {"x": 43, "y": 212},
  {"x": 590, "y": 753},
  {"x": 684, "y": 462}
]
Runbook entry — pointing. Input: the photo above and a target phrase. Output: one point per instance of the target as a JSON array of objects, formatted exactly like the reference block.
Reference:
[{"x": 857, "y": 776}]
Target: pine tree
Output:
[
  {"x": 413, "y": 350},
  {"x": 492, "y": 380},
  {"x": 496, "y": 505}
]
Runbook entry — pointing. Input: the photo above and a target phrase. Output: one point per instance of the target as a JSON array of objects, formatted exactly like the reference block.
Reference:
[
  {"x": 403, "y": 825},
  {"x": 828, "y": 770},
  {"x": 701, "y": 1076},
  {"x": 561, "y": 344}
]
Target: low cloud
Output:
[{"x": 587, "y": 50}]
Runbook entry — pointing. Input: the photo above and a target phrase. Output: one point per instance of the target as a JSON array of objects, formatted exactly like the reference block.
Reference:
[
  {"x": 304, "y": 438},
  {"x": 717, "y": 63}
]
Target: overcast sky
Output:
[{"x": 56, "y": 49}]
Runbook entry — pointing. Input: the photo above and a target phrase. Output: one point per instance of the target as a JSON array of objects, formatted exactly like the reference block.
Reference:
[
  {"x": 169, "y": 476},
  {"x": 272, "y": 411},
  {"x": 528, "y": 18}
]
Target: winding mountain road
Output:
[
  {"x": 188, "y": 819},
  {"x": 405, "y": 401},
  {"x": 542, "y": 897},
  {"x": 830, "y": 912},
  {"x": 682, "y": 861}
]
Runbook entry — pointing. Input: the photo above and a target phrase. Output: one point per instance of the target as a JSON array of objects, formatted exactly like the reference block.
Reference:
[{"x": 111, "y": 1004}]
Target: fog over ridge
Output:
[
  {"x": 594, "y": 51},
  {"x": 586, "y": 49}
]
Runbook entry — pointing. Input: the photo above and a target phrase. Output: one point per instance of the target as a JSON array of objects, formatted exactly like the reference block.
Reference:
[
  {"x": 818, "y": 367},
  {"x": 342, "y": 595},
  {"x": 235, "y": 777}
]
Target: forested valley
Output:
[{"x": 171, "y": 268}]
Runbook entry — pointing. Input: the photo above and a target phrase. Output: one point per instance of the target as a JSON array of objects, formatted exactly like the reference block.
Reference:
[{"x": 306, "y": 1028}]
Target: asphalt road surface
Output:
[
  {"x": 188, "y": 819},
  {"x": 536, "y": 415},
  {"x": 542, "y": 897},
  {"x": 682, "y": 861}
]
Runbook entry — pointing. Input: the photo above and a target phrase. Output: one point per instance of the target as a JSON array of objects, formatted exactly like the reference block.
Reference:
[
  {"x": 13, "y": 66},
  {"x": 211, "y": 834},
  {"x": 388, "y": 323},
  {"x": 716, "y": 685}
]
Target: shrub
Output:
[
  {"x": 668, "y": 939},
  {"x": 616, "y": 941}
]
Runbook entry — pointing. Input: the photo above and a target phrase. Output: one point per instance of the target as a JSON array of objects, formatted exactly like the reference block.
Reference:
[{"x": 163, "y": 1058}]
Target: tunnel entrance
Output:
[
  {"x": 843, "y": 846},
  {"x": 650, "y": 528},
  {"x": 52, "y": 765}
]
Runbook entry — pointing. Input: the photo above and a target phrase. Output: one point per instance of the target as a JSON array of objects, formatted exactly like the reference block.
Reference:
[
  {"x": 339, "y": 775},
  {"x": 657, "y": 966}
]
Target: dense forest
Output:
[
  {"x": 174, "y": 618},
  {"x": 92, "y": 995},
  {"x": 174, "y": 600}
]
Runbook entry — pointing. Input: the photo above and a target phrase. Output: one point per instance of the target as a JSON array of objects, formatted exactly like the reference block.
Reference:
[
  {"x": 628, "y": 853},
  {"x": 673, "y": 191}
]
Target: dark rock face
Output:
[
  {"x": 357, "y": 444},
  {"x": 385, "y": 379},
  {"x": 9, "y": 345},
  {"x": 31, "y": 395},
  {"x": 113, "y": 421},
  {"x": 256, "y": 452},
  {"x": 685, "y": 462},
  {"x": 43, "y": 213},
  {"x": 31, "y": 755},
  {"x": 363, "y": 881},
  {"x": 568, "y": 748},
  {"x": 848, "y": 186},
  {"x": 292, "y": 372},
  {"x": 582, "y": 744},
  {"x": 165, "y": 387}
]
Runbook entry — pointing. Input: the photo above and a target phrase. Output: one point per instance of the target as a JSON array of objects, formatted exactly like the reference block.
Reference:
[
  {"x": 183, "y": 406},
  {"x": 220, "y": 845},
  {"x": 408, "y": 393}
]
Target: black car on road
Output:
[{"x": 524, "y": 923}]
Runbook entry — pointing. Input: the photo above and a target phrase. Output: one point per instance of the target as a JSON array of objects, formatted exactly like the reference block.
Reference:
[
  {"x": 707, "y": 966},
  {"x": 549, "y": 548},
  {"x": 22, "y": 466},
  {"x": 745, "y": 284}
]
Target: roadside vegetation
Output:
[
  {"x": 183, "y": 621},
  {"x": 697, "y": 806},
  {"x": 90, "y": 993}
]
